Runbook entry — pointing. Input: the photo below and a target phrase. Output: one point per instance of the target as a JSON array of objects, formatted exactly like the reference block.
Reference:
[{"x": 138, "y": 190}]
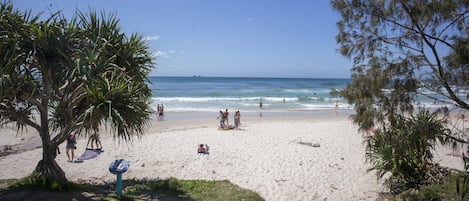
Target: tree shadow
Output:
[{"x": 162, "y": 190}]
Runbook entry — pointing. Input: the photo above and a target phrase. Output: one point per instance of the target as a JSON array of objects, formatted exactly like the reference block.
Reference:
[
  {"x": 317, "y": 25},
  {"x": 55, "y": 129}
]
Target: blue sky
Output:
[{"x": 247, "y": 38}]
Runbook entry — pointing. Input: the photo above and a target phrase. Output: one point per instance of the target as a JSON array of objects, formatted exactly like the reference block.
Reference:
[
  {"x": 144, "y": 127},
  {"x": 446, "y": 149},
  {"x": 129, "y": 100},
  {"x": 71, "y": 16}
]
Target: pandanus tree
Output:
[
  {"x": 59, "y": 76},
  {"x": 404, "y": 52}
]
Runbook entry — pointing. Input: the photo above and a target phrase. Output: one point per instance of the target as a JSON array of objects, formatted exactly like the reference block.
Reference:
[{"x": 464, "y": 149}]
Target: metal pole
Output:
[{"x": 119, "y": 185}]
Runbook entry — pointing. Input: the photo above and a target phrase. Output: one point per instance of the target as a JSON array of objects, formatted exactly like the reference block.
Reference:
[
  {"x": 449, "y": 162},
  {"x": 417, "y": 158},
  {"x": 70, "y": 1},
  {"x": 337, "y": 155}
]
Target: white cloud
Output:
[
  {"x": 163, "y": 54},
  {"x": 158, "y": 54},
  {"x": 250, "y": 19},
  {"x": 150, "y": 38}
]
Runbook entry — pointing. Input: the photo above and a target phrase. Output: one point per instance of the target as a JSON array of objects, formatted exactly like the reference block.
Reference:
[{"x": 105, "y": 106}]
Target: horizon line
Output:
[{"x": 266, "y": 77}]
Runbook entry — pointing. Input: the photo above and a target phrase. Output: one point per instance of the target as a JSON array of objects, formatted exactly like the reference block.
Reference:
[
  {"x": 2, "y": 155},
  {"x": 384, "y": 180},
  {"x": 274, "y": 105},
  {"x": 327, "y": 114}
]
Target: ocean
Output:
[
  {"x": 211, "y": 94},
  {"x": 201, "y": 97}
]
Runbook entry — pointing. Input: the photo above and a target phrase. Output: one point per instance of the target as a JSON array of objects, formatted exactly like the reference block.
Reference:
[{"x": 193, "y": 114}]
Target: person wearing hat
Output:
[{"x": 70, "y": 149}]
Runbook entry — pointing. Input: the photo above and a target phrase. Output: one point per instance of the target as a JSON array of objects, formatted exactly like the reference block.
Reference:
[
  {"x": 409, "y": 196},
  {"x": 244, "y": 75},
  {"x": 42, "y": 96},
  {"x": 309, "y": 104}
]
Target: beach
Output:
[{"x": 280, "y": 157}]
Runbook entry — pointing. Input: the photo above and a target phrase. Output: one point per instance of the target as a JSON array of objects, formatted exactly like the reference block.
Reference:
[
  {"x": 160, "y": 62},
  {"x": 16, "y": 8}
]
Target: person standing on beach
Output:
[
  {"x": 260, "y": 103},
  {"x": 226, "y": 117},
  {"x": 162, "y": 112},
  {"x": 158, "y": 110},
  {"x": 237, "y": 119},
  {"x": 94, "y": 139},
  {"x": 221, "y": 117},
  {"x": 71, "y": 146}
]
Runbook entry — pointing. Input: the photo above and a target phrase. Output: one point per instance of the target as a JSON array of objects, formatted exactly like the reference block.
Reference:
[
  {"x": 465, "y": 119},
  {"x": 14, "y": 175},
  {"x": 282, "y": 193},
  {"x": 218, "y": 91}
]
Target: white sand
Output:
[{"x": 270, "y": 157}]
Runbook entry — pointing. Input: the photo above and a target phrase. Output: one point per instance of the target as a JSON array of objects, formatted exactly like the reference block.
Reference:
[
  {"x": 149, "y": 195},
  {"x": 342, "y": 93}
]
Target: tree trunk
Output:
[{"x": 48, "y": 166}]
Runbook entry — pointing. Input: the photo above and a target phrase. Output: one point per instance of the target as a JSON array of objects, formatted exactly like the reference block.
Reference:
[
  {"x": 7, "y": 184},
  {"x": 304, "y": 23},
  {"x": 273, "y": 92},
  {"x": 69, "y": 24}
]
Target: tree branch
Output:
[{"x": 440, "y": 70}]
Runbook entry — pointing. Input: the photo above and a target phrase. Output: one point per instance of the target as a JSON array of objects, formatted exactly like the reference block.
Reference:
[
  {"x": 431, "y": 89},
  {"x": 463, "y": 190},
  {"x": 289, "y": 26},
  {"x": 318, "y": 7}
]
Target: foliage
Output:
[
  {"x": 435, "y": 191},
  {"x": 403, "y": 51},
  {"x": 60, "y": 76},
  {"x": 404, "y": 150},
  {"x": 402, "y": 48},
  {"x": 462, "y": 182}
]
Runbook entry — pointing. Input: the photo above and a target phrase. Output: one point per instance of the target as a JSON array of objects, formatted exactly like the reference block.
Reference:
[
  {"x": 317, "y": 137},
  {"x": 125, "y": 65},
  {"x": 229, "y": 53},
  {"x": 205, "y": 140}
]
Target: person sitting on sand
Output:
[
  {"x": 202, "y": 150},
  {"x": 94, "y": 139},
  {"x": 70, "y": 148}
]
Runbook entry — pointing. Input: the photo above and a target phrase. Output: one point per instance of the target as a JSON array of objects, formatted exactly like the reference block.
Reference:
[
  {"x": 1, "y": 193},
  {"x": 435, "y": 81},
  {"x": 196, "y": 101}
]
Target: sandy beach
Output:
[{"x": 273, "y": 156}]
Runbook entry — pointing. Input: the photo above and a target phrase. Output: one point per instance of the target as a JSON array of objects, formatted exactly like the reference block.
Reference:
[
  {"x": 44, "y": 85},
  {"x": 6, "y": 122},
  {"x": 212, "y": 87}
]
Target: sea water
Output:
[{"x": 211, "y": 94}]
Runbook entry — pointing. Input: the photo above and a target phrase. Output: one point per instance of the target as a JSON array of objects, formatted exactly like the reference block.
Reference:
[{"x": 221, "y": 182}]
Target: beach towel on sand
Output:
[
  {"x": 89, "y": 154},
  {"x": 226, "y": 128}
]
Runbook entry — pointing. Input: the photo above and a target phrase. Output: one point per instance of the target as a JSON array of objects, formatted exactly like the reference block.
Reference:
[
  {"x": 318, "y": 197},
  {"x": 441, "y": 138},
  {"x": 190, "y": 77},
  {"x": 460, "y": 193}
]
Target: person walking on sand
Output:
[{"x": 71, "y": 146}]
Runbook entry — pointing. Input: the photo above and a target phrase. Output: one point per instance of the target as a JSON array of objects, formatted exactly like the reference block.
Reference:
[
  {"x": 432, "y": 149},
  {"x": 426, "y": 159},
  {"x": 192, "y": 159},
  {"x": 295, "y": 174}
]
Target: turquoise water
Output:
[{"x": 211, "y": 94}]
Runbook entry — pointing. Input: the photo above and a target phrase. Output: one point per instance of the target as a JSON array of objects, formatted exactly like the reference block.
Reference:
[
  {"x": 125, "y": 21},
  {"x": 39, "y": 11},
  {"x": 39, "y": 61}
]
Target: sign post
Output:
[
  {"x": 118, "y": 167},
  {"x": 119, "y": 185}
]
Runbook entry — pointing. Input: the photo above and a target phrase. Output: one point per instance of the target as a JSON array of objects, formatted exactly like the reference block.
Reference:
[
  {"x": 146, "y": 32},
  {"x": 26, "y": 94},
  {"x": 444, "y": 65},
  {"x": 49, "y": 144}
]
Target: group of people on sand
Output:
[
  {"x": 224, "y": 123},
  {"x": 160, "y": 111},
  {"x": 72, "y": 144}
]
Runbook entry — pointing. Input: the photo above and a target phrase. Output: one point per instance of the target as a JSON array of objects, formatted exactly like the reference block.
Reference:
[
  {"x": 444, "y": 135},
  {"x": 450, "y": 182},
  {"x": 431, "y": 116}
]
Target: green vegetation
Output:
[
  {"x": 59, "y": 76},
  {"x": 192, "y": 190},
  {"x": 408, "y": 160},
  {"x": 403, "y": 51},
  {"x": 171, "y": 189},
  {"x": 462, "y": 182},
  {"x": 436, "y": 191}
]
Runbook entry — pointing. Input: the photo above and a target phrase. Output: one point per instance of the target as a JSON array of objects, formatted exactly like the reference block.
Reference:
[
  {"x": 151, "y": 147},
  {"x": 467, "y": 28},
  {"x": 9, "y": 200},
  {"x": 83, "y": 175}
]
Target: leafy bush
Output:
[{"x": 402, "y": 151}]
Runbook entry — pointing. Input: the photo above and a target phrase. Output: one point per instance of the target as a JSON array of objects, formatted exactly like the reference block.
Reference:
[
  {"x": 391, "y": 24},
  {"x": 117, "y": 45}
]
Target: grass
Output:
[
  {"x": 170, "y": 189},
  {"x": 37, "y": 188},
  {"x": 46, "y": 184},
  {"x": 188, "y": 190}
]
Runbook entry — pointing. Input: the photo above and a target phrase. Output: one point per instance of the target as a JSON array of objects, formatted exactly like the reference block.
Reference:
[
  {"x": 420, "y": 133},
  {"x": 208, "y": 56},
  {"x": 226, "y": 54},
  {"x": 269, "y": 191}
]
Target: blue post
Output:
[
  {"x": 118, "y": 167},
  {"x": 119, "y": 185}
]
